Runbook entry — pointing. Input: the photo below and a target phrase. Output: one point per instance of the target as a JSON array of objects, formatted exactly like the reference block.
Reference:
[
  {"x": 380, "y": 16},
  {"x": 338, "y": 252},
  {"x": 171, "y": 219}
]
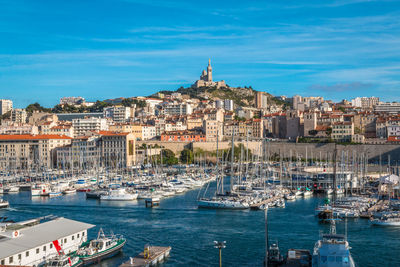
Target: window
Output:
[
  {"x": 51, "y": 245},
  {"x": 10, "y": 260},
  {"x": 19, "y": 256},
  {"x": 78, "y": 236},
  {"x": 27, "y": 254},
  {"x": 44, "y": 248},
  {"x": 73, "y": 237},
  {"x": 65, "y": 240},
  {"x": 3, "y": 262},
  {"x": 37, "y": 251},
  {"x": 83, "y": 233}
]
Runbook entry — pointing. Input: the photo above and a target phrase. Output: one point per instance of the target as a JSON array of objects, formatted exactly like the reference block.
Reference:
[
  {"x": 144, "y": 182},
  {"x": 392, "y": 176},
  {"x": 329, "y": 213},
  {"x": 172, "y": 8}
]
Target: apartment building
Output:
[
  {"x": 118, "y": 113},
  {"x": 212, "y": 130},
  {"x": 6, "y": 105},
  {"x": 342, "y": 131},
  {"x": 30, "y": 151},
  {"x": 172, "y": 109},
  {"x": 18, "y": 115},
  {"x": 85, "y": 125},
  {"x": 183, "y": 136}
]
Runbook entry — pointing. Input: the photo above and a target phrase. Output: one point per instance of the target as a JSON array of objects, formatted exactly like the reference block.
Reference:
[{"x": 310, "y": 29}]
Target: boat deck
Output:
[{"x": 156, "y": 255}]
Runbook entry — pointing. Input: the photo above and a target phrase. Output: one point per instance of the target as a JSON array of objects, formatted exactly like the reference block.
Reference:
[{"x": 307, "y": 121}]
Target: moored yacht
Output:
[
  {"x": 100, "y": 248},
  {"x": 221, "y": 203},
  {"x": 118, "y": 194},
  {"x": 63, "y": 261},
  {"x": 4, "y": 203},
  {"x": 332, "y": 250}
]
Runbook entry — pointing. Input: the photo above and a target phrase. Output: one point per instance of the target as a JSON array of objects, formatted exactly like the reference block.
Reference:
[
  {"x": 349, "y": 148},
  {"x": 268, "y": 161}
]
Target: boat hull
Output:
[
  {"x": 96, "y": 258},
  {"x": 221, "y": 205}
]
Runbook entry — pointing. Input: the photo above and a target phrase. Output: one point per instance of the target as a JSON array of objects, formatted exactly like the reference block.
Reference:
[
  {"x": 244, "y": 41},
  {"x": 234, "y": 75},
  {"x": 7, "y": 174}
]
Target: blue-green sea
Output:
[{"x": 190, "y": 231}]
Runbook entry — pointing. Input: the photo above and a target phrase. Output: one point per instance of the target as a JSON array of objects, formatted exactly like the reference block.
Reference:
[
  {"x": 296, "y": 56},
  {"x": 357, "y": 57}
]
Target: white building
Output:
[
  {"x": 148, "y": 132},
  {"x": 5, "y": 106},
  {"x": 82, "y": 126},
  {"x": 388, "y": 107},
  {"x": 228, "y": 104},
  {"x": 178, "y": 109},
  {"x": 18, "y": 115},
  {"x": 393, "y": 130},
  {"x": 72, "y": 100},
  {"x": 31, "y": 242},
  {"x": 117, "y": 113},
  {"x": 365, "y": 102}
]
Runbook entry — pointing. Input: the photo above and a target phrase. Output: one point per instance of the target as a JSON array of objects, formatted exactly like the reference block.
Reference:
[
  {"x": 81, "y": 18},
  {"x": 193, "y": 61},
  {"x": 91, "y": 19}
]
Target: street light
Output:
[{"x": 220, "y": 245}]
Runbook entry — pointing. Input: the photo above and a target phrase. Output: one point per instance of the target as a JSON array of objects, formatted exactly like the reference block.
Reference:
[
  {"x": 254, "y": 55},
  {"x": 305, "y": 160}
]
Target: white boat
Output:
[
  {"x": 69, "y": 191},
  {"x": 118, "y": 194},
  {"x": 63, "y": 261},
  {"x": 1, "y": 190},
  {"x": 54, "y": 194},
  {"x": 386, "y": 221},
  {"x": 329, "y": 191},
  {"x": 298, "y": 193},
  {"x": 38, "y": 189},
  {"x": 290, "y": 196},
  {"x": 217, "y": 203},
  {"x": 11, "y": 189},
  {"x": 307, "y": 193},
  {"x": 4, "y": 203}
]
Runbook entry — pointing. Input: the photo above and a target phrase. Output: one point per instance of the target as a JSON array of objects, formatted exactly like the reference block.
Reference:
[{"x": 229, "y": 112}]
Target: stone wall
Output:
[{"x": 283, "y": 148}]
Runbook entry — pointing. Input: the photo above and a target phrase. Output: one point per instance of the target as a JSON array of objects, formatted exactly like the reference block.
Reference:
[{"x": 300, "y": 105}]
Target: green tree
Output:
[
  {"x": 187, "y": 156},
  {"x": 36, "y": 107}
]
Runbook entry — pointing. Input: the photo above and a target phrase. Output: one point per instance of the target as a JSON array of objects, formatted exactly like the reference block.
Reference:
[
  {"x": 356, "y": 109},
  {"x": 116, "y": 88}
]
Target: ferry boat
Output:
[
  {"x": 63, "y": 261},
  {"x": 118, "y": 194},
  {"x": 100, "y": 248},
  {"x": 38, "y": 189}
]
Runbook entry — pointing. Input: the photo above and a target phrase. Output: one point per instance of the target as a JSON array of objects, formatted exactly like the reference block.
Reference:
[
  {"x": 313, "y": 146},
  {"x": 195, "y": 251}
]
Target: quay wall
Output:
[{"x": 372, "y": 151}]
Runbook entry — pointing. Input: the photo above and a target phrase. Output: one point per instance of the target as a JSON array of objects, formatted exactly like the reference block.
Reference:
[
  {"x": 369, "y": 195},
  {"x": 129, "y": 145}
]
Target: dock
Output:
[
  {"x": 151, "y": 256},
  {"x": 152, "y": 202},
  {"x": 256, "y": 206}
]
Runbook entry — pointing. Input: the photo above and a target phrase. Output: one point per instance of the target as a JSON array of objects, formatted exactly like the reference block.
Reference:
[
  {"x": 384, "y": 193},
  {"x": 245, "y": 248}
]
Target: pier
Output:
[{"x": 151, "y": 256}]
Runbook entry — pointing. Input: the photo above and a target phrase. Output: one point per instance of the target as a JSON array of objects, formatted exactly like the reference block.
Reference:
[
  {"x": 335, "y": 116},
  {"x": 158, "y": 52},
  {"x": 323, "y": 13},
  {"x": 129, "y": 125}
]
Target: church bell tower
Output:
[{"x": 209, "y": 71}]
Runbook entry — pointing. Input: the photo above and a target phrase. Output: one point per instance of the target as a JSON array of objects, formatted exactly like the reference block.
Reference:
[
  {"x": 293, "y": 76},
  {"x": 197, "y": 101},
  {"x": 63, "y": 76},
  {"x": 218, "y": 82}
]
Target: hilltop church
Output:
[{"x": 206, "y": 79}]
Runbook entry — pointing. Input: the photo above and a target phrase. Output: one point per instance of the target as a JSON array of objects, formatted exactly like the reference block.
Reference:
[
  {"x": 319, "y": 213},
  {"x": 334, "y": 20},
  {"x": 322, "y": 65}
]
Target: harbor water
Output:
[{"x": 177, "y": 222}]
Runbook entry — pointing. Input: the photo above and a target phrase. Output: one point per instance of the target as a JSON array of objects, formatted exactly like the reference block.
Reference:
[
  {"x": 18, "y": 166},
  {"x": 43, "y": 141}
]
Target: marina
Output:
[{"x": 179, "y": 223}]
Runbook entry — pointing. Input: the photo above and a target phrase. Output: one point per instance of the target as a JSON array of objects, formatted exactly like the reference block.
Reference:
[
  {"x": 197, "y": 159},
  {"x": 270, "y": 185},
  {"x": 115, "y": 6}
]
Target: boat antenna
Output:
[
  {"x": 334, "y": 174},
  {"x": 266, "y": 237}
]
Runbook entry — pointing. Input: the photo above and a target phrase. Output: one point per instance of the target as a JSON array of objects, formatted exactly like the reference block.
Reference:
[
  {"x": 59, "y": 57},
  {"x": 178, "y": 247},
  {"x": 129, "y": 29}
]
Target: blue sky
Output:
[{"x": 105, "y": 49}]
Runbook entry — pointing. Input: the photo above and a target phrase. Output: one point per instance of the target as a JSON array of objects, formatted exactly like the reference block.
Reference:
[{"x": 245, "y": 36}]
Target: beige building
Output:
[
  {"x": 342, "y": 131},
  {"x": 212, "y": 130},
  {"x": 30, "y": 151},
  {"x": 261, "y": 100},
  {"x": 207, "y": 80},
  {"x": 118, "y": 149},
  {"x": 85, "y": 125}
]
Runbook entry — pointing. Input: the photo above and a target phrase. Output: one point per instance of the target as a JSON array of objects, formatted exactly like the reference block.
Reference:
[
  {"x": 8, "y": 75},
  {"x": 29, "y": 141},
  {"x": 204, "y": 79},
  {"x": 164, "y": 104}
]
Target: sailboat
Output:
[{"x": 222, "y": 200}]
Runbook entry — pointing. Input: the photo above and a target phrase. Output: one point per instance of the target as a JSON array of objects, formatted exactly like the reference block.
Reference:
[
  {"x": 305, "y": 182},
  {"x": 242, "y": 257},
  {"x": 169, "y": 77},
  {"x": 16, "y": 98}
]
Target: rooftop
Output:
[{"x": 40, "y": 234}]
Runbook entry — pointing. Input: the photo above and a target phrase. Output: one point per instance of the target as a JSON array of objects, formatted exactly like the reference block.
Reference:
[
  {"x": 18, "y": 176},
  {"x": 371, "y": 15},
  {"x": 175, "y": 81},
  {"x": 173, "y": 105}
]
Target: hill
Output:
[{"x": 241, "y": 96}]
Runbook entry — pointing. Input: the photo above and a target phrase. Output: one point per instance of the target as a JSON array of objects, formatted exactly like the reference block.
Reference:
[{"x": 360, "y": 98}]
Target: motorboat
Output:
[
  {"x": 386, "y": 221},
  {"x": 102, "y": 247},
  {"x": 118, "y": 194},
  {"x": 4, "y": 203},
  {"x": 11, "y": 189},
  {"x": 69, "y": 191},
  {"x": 290, "y": 196},
  {"x": 332, "y": 250},
  {"x": 64, "y": 261}
]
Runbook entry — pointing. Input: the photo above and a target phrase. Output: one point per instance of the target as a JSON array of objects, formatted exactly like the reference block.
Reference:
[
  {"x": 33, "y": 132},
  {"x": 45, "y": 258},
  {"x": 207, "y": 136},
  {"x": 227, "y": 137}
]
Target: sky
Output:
[{"x": 122, "y": 48}]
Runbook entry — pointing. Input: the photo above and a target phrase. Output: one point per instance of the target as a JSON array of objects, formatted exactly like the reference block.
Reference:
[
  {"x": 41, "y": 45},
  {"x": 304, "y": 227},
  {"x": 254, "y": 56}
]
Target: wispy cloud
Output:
[{"x": 341, "y": 87}]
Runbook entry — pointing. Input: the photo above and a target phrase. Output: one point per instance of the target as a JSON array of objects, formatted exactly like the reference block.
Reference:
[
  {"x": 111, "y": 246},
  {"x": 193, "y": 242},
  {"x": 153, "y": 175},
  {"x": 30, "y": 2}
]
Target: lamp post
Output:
[{"x": 220, "y": 245}]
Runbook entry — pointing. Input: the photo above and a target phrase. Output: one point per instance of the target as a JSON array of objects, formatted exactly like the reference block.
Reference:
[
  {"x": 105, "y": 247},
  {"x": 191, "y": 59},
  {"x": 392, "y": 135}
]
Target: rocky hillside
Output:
[{"x": 241, "y": 96}]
